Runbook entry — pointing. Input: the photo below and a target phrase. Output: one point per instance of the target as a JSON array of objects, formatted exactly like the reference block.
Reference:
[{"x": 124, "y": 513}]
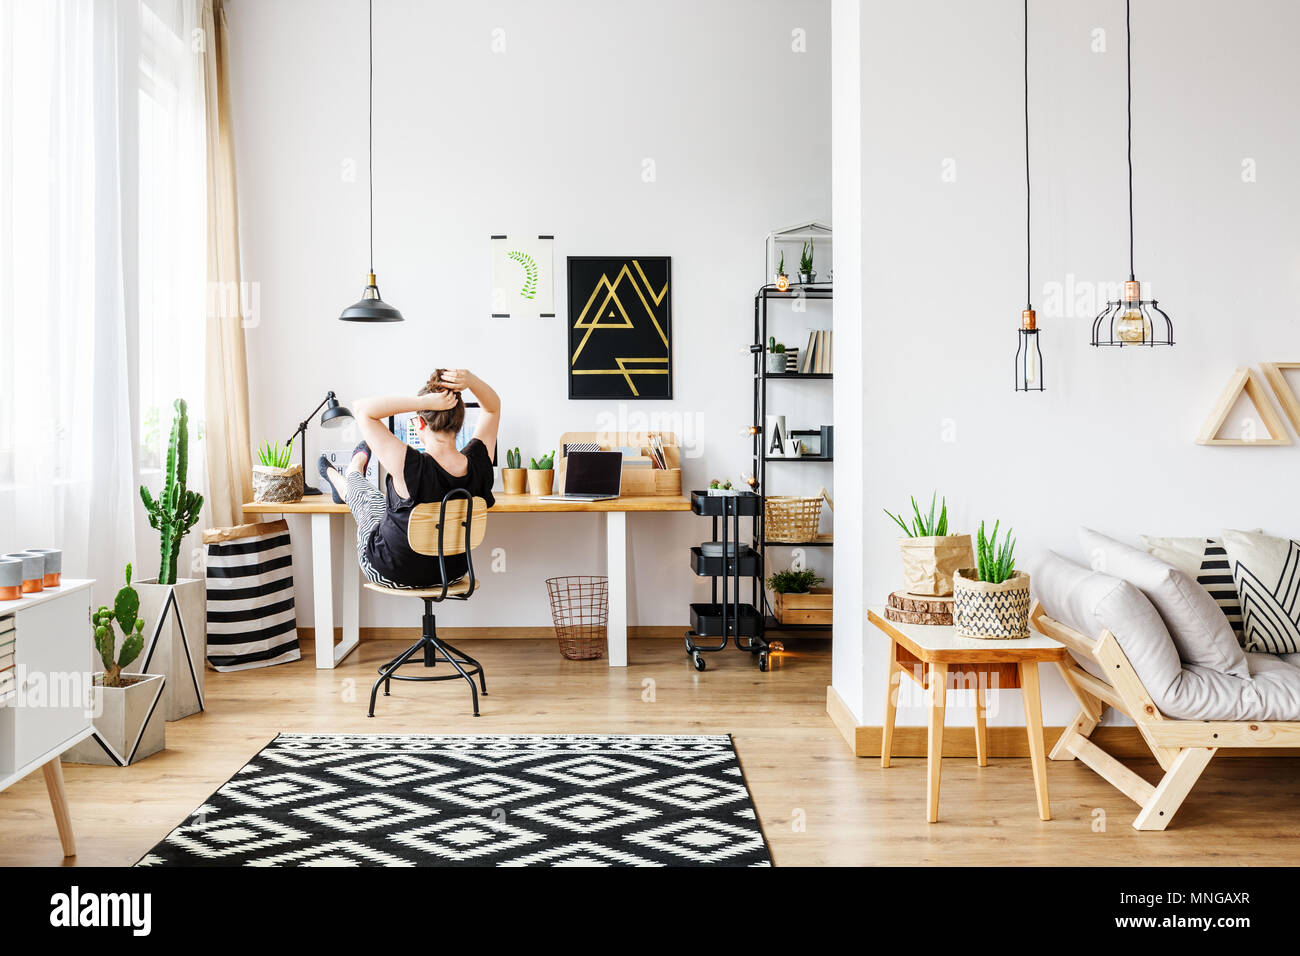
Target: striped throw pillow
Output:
[{"x": 1206, "y": 561}]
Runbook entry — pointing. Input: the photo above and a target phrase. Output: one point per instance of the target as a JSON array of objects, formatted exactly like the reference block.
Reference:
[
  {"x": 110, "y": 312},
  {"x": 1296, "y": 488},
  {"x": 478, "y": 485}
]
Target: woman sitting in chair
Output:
[{"x": 416, "y": 477}]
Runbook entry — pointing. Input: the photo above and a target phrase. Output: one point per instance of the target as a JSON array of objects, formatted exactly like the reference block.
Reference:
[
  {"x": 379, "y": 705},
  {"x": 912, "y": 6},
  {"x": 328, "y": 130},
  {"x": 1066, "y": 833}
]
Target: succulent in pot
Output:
[
  {"x": 931, "y": 556},
  {"x": 775, "y": 356},
  {"x": 991, "y": 600},
  {"x": 541, "y": 474},
  {"x": 514, "y": 476},
  {"x": 806, "y": 274}
]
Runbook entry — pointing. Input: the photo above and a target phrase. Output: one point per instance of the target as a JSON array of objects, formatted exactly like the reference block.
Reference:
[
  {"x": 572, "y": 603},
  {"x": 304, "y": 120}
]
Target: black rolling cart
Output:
[{"x": 728, "y": 560}]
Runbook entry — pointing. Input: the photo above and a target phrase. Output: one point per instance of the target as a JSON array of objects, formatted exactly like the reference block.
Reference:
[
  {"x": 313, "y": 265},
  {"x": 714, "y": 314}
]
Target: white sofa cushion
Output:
[
  {"x": 1198, "y": 626},
  {"x": 1091, "y": 602},
  {"x": 1267, "y": 572},
  {"x": 1206, "y": 560}
]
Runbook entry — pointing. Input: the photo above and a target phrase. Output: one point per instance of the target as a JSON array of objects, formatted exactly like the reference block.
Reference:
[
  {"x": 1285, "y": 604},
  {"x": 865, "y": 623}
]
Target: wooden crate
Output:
[{"x": 811, "y": 608}]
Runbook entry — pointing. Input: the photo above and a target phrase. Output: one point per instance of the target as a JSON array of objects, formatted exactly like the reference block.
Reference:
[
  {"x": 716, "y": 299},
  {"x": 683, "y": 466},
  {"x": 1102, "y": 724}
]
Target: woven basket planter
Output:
[
  {"x": 791, "y": 518},
  {"x": 990, "y": 611},
  {"x": 280, "y": 485},
  {"x": 930, "y": 563}
]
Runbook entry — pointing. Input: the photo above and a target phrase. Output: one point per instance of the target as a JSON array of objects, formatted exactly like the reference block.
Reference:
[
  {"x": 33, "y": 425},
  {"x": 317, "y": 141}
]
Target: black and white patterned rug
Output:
[{"x": 477, "y": 800}]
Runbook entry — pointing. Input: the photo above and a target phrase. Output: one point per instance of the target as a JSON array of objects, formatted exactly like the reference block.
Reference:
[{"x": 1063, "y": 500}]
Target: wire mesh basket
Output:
[{"x": 580, "y": 611}]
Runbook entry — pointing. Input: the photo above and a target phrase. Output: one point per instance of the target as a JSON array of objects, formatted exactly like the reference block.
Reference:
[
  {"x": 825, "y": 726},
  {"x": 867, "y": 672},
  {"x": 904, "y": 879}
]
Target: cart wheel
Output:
[
  {"x": 762, "y": 660},
  {"x": 698, "y": 660}
]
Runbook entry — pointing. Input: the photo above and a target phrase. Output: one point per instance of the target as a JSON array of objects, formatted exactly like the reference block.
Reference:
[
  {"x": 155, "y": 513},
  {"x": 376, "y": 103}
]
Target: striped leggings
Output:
[{"x": 368, "y": 507}]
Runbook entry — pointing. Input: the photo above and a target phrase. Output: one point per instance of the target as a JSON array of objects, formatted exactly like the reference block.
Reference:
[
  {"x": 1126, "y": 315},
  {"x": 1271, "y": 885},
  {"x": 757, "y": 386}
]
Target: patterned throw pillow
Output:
[
  {"x": 1267, "y": 572},
  {"x": 1205, "y": 560}
]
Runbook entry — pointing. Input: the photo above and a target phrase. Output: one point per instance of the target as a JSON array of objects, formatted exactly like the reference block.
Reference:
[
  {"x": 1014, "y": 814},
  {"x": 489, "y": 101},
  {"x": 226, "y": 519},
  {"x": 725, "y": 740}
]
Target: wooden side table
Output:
[{"x": 928, "y": 654}]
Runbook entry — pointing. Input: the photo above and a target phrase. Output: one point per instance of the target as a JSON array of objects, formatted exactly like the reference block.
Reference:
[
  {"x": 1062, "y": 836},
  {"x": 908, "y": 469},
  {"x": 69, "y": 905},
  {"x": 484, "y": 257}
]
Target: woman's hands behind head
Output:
[{"x": 457, "y": 379}]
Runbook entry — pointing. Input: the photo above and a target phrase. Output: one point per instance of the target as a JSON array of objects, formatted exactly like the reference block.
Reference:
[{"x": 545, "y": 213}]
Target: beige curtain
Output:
[{"x": 229, "y": 457}]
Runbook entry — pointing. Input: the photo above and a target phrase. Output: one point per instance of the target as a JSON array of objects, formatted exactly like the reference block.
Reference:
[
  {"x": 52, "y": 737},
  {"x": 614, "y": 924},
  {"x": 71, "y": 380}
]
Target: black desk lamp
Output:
[{"x": 334, "y": 416}]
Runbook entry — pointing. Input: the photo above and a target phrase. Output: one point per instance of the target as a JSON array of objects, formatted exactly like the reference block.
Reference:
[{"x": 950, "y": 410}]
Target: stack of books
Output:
[
  {"x": 816, "y": 357},
  {"x": 8, "y": 686}
]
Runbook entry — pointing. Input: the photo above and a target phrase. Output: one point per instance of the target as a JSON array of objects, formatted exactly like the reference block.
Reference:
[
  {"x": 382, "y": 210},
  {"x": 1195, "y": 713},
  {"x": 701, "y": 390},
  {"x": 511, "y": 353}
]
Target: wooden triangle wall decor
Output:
[
  {"x": 1248, "y": 381},
  {"x": 1275, "y": 372}
]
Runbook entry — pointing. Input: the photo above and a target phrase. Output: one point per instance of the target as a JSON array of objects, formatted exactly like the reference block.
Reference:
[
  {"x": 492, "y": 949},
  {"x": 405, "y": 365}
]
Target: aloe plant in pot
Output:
[
  {"x": 931, "y": 556},
  {"x": 991, "y": 600}
]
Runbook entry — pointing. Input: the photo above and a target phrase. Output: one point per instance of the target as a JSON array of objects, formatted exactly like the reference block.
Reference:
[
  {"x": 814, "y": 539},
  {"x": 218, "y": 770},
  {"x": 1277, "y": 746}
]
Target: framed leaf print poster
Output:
[
  {"x": 620, "y": 327},
  {"x": 522, "y": 282}
]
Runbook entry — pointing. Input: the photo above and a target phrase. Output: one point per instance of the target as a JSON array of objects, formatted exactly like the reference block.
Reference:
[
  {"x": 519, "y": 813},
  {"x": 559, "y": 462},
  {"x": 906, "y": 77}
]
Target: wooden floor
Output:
[{"x": 817, "y": 803}]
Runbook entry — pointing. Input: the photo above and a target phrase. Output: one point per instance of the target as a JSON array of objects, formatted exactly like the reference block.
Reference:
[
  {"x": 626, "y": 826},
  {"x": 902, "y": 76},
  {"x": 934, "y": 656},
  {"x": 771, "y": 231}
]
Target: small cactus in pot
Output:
[
  {"x": 541, "y": 474},
  {"x": 125, "y": 610},
  {"x": 513, "y": 475}
]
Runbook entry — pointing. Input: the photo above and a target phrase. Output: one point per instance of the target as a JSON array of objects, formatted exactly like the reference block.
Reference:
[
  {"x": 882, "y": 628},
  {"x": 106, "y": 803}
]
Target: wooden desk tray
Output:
[{"x": 639, "y": 477}]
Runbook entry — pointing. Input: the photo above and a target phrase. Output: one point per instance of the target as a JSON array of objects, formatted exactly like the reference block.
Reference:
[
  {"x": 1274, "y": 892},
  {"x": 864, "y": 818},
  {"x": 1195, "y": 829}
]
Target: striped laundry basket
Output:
[{"x": 251, "y": 620}]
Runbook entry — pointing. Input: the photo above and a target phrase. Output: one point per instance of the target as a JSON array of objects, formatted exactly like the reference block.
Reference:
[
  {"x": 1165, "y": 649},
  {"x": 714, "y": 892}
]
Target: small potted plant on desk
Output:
[
  {"x": 931, "y": 556},
  {"x": 797, "y": 599},
  {"x": 541, "y": 475},
  {"x": 128, "y": 722},
  {"x": 806, "y": 274},
  {"x": 274, "y": 477},
  {"x": 775, "y": 356},
  {"x": 514, "y": 476},
  {"x": 991, "y": 601}
]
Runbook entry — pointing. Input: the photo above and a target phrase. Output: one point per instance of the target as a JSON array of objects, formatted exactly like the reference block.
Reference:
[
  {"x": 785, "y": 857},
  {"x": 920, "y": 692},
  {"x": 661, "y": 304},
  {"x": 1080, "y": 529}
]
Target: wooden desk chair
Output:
[{"x": 456, "y": 525}]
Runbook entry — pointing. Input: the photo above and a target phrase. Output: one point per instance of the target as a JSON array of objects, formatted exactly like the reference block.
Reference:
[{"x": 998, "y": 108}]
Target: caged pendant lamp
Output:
[
  {"x": 371, "y": 308},
  {"x": 1129, "y": 321},
  {"x": 1029, "y": 356}
]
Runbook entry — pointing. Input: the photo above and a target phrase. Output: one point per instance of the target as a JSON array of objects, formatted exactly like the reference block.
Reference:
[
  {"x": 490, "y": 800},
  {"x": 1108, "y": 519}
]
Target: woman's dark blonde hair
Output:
[{"x": 443, "y": 420}]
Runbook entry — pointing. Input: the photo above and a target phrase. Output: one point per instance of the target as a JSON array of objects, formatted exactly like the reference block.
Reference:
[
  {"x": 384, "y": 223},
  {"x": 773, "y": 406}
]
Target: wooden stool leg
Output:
[
  {"x": 981, "y": 725},
  {"x": 1034, "y": 728},
  {"x": 53, "y": 771},
  {"x": 938, "y": 690},
  {"x": 894, "y": 678}
]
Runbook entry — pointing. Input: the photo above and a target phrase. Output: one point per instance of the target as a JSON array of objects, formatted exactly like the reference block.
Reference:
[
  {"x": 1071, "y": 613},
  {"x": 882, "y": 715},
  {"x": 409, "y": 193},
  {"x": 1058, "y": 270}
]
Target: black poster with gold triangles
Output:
[{"x": 620, "y": 328}]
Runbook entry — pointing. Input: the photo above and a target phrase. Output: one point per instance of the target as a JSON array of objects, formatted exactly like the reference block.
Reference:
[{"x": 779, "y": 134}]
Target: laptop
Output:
[{"x": 591, "y": 476}]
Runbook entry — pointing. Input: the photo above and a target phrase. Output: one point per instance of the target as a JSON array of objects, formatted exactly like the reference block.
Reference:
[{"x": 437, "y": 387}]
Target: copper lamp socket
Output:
[
  {"x": 1029, "y": 320},
  {"x": 1132, "y": 292}
]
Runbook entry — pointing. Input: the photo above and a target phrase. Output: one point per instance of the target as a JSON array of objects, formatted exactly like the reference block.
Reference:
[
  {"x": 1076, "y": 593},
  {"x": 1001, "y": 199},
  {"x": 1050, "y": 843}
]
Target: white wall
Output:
[
  {"x": 1111, "y": 443},
  {"x": 548, "y": 136}
]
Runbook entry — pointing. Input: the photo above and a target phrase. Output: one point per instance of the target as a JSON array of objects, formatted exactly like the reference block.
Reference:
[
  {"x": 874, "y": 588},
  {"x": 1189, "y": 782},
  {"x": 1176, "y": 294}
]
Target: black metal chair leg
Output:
[
  {"x": 472, "y": 689},
  {"x": 465, "y": 658},
  {"x": 387, "y": 670}
]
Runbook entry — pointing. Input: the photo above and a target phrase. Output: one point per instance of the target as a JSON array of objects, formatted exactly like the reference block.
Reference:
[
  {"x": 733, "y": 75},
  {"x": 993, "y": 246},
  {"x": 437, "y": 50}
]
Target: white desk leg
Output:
[
  {"x": 322, "y": 561},
  {"x": 616, "y": 569},
  {"x": 351, "y": 584}
]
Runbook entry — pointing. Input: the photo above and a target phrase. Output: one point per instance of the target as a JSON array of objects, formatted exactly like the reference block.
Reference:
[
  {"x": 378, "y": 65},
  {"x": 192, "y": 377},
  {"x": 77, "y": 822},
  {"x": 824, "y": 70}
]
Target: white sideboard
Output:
[{"x": 54, "y": 666}]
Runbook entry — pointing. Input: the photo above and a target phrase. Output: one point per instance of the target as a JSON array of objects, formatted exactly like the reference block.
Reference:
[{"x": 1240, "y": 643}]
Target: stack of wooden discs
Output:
[{"x": 905, "y": 608}]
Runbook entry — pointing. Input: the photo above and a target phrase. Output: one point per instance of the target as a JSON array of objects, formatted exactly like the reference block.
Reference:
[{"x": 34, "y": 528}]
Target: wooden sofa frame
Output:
[{"x": 1182, "y": 747}]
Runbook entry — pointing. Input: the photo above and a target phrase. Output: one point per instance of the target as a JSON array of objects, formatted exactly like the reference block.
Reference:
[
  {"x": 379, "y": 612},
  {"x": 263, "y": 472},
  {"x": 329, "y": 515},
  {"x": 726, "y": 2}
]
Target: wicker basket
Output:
[
  {"x": 280, "y": 485},
  {"x": 580, "y": 611},
  {"x": 791, "y": 518},
  {"x": 997, "y": 612}
]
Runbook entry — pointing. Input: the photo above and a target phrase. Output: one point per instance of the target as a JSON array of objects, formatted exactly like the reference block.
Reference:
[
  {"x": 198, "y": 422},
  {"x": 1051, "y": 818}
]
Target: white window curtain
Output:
[{"x": 96, "y": 219}]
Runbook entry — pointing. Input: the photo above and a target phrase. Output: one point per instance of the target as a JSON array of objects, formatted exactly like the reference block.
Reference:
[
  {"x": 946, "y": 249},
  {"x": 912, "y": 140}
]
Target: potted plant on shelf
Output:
[
  {"x": 797, "y": 599},
  {"x": 514, "y": 476},
  {"x": 128, "y": 723},
  {"x": 782, "y": 280},
  {"x": 177, "y": 645},
  {"x": 541, "y": 475},
  {"x": 931, "y": 556},
  {"x": 806, "y": 274},
  {"x": 991, "y": 600},
  {"x": 274, "y": 477},
  {"x": 775, "y": 356}
]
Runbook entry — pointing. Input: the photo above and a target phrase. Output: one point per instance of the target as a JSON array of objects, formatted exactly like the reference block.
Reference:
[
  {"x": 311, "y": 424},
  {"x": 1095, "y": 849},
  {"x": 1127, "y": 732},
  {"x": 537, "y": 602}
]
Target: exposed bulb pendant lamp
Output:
[
  {"x": 1029, "y": 356},
  {"x": 1129, "y": 321},
  {"x": 371, "y": 308}
]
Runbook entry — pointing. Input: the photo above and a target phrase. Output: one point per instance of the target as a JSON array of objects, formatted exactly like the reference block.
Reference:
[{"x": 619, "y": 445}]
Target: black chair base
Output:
[{"x": 433, "y": 650}]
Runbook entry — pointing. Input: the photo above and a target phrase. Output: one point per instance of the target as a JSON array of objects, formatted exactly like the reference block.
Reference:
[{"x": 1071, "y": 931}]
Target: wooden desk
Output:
[
  {"x": 327, "y": 517},
  {"x": 928, "y": 654}
]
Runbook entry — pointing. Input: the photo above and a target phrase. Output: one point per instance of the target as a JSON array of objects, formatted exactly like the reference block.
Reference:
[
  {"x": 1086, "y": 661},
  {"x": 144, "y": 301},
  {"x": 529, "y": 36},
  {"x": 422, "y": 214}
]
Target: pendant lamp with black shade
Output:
[
  {"x": 1029, "y": 355},
  {"x": 1129, "y": 321},
  {"x": 371, "y": 308}
]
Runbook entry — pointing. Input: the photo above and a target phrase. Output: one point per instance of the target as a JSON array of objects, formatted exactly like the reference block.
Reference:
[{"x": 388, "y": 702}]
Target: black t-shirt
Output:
[{"x": 426, "y": 481}]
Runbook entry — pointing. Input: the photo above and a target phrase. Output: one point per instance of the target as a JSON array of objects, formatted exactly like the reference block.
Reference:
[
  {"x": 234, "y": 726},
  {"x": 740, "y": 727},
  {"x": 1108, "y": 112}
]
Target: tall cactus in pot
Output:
[{"x": 176, "y": 509}]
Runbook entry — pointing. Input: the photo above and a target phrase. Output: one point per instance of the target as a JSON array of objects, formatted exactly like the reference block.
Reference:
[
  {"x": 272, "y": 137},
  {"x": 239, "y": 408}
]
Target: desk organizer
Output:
[
  {"x": 639, "y": 475},
  {"x": 726, "y": 561}
]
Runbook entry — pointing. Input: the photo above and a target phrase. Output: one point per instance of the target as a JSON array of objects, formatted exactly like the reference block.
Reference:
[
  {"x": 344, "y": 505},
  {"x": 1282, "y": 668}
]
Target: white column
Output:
[{"x": 616, "y": 570}]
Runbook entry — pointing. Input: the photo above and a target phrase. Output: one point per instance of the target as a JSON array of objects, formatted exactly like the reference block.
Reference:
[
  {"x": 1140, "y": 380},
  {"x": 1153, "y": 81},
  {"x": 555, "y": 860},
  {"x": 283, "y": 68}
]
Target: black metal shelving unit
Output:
[
  {"x": 726, "y": 617},
  {"x": 765, "y": 295}
]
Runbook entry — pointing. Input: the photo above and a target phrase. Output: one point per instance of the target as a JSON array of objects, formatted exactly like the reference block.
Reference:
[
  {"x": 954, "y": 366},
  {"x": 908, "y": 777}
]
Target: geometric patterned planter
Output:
[
  {"x": 129, "y": 724},
  {"x": 175, "y": 642},
  {"x": 990, "y": 611}
]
